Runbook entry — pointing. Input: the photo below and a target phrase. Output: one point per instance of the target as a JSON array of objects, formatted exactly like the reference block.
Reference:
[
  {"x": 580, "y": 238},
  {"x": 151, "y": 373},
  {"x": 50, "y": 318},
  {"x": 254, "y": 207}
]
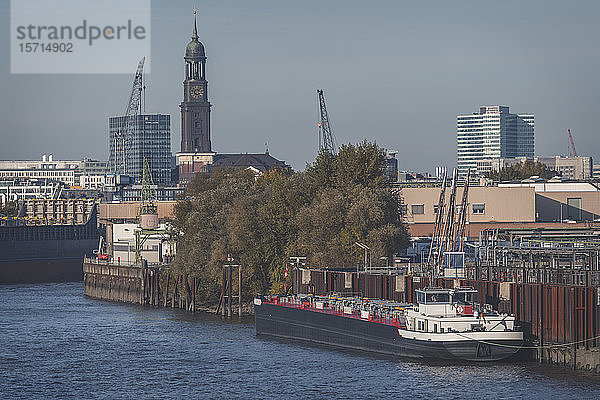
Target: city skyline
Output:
[{"x": 384, "y": 68}]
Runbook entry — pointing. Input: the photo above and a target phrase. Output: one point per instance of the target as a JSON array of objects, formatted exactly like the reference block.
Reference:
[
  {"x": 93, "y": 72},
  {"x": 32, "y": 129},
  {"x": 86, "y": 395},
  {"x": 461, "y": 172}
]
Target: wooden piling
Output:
[
  {"x": 223, "y": 292},
  {"x": 229, "y": 292},
  {"x": 166, "y": 291},
  {"x": 240, "y": 290},
  {"x": 174, "y": 292},
  {"x": 195, "y": 287}
]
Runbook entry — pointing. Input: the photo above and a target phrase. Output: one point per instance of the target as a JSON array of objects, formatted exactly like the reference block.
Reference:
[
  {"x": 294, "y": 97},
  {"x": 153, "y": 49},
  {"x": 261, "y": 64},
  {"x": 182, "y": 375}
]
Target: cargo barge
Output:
[
  {"x": 444, "y": 324},
  {"x": 46, "y": 253}
]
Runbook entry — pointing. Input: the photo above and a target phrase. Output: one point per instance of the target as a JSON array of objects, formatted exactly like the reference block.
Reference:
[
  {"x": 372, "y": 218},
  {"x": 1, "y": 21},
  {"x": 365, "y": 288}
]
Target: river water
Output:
[{"x": 55, "y": 343}]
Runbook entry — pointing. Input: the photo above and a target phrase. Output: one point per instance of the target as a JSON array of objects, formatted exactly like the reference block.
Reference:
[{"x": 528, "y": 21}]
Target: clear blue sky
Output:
[{"x": 397, "y": 72}]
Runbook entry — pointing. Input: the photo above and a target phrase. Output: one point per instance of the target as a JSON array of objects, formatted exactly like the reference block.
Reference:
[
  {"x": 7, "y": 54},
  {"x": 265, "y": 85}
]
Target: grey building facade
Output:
[
  {"x": 576, "y": 168},
  {"x": 150, "y": 139}
]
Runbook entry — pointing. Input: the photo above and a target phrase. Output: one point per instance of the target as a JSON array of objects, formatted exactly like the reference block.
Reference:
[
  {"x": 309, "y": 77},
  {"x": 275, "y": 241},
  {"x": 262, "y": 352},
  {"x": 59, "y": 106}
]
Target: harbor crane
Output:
[
  {"x": 436, "y": 238},
  {"x": 572, "y": 143},
  {"x": 123, "y": 136},
  {"x": 460, "y": 236},
  {"x": 149, "y": 226},
  {"x": 449, "y": 232},
  {"x": 326, "y": 137}
]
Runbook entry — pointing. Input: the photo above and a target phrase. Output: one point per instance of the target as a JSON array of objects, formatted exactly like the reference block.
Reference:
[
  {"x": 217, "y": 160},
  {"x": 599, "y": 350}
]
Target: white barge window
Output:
[
  {"x": 433, "y": 298},
  {"x": 465, "y": 298}
]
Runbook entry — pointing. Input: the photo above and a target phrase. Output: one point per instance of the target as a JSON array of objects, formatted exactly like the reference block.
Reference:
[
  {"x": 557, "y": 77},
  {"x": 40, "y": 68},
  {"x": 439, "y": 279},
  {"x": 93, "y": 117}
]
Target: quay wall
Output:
[
  {"x": 146, "y": 285},
  {"x": 113, "y": 282},
  {"x": 562, "y": 322}
]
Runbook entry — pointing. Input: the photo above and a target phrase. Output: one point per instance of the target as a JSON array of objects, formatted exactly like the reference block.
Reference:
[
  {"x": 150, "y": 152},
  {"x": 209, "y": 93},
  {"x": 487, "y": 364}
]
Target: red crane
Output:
[{"x": 572, "y": 143}]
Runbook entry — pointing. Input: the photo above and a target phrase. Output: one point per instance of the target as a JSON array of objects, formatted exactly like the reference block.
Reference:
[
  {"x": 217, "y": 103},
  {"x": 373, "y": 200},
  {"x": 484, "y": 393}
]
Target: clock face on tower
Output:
[{"x": 196, "y": 91}]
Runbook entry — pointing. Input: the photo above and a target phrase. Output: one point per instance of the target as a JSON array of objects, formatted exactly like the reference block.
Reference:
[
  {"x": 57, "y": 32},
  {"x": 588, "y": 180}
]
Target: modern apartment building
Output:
[
  {"x": 492, "y": 133},
  {"x": 150, "y": 138}
]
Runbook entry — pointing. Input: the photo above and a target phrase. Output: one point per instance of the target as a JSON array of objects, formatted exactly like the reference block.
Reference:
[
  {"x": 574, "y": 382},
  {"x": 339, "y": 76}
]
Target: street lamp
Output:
[
  {"x": 367, "y": 249},
  {"x": 296, "y": 262}
]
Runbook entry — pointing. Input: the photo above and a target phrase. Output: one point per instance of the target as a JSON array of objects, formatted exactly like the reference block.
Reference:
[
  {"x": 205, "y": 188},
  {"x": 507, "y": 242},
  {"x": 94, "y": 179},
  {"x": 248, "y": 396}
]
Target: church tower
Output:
[{"x": 195, "y": 108}]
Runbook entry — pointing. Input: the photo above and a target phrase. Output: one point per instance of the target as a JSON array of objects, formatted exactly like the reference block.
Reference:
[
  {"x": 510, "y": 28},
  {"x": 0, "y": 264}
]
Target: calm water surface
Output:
[{"x": 54, "y": 343}]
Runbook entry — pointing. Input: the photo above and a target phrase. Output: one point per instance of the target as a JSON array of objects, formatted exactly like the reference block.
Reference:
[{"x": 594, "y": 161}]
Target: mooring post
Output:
[
  {"x": 223, "y": 292},
  {"x": 194, "y": 295},
  {"x": 156, "y": 287},
  {"x": 540, "y": 324},
  {"x": 166, "y": 294},
  {"x": 154, "y": 302},
  {"x": 229, "y": 291},
  {"x": 175, "y": 283},
  {"x": 240, "y": 290},
  {"x": 142, "y": 284},
  {"x": 572, "y": 319}
]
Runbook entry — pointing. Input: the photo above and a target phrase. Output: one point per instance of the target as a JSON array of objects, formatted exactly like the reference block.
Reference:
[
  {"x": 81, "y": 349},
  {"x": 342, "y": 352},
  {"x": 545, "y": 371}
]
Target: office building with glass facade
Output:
[
  {"x": 492, "y": 133},
  {"x": 150, "y": 138}
]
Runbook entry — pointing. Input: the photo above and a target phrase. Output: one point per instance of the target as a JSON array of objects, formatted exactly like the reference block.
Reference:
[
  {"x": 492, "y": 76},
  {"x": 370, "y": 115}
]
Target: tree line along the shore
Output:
[{"x": 320, "y": 213}]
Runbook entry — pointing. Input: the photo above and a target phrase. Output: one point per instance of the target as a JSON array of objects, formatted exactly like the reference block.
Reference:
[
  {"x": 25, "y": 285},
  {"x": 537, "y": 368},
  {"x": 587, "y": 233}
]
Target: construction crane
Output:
[
  {"x": 326, "y": 137},
  {"x": 460, "y": 236},
  {"x": 148, "y": 213},
  {"x": 449, "y": 231},
  {"x": 436, "y": 238},
  {"x": 572, "y": 143},
  {"x": 122, "y": 138},
  {"x": 148, "y": 196},
  {"x": 449, "y": 226}
]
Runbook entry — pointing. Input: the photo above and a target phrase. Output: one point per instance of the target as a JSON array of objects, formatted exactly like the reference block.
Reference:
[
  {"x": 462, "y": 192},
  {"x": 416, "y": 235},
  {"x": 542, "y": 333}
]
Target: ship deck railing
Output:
[{"x": 327, "y": 309}]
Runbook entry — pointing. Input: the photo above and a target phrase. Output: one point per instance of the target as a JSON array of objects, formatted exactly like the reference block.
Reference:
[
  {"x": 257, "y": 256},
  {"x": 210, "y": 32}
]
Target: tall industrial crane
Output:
[
  {"x": 449, "y": 227},
  {"x": 460, "y": 235},
  {"x": 148, "y": 195},
  {"x": 436, "y": 238},
  {"x": 572, "y": 143},
  {"x": 122, "y": 139},
  {"x": 449, "y": 231},
  {"x": 148, "y": 213},
  {"x": 326, "y": 137}
]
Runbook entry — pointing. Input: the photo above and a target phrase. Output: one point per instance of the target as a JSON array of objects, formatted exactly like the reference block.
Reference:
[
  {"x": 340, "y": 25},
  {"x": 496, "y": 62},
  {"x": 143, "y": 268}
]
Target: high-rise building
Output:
[
  {"x": 195, "y": 108},
  {"x": 492, "y": 133},
  {"x": 150, "y": 139},
  {"x": 391, "y": 165}
]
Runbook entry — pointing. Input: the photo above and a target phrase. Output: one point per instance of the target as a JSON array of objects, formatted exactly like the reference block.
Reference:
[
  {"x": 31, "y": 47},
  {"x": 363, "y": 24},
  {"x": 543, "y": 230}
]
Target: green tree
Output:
[
  {"x": 321, "y": 173},
  {"x": 322, "y": 236},
  {"x": 329, "y": 227},
  {"x": 362, "y": 165},
  {"x": 259, "y": 227},
  {"x": 200, "y": 218}
]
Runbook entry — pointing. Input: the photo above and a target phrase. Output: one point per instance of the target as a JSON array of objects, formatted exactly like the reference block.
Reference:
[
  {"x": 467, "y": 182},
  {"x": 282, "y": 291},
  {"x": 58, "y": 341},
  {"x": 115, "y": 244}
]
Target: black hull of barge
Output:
[{"x": 351, "y": 333}]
